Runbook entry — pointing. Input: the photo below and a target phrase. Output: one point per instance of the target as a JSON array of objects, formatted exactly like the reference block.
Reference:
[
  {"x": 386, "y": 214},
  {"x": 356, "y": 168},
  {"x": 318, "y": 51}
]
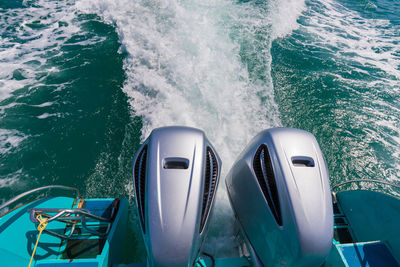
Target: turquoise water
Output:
[{"x": 82, "y": 83}]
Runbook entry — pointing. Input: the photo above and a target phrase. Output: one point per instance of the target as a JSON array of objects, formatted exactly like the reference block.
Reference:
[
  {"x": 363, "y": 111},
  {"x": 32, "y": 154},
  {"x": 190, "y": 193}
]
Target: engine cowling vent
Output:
[
  {"x": 140, "y": 182},
  {"x": 210, "y": 182},
  {"x": 279, "y": 191},
  {"x": 263, "y": 169},
  {"x": 175, "y": 177}
]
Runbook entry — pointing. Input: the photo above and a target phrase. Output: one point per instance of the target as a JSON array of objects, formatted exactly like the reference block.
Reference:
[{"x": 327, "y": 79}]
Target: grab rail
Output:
[
  {"x": 65, "y": 216},
  {"x": 365, "y": 180},
  {"x": 13, "y": 200},
  {"x": 334, "y": 199}
]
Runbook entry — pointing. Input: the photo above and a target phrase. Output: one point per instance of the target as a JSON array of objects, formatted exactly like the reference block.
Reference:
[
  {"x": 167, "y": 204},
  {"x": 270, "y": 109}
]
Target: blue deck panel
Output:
[{"x": 372, "y": 254}]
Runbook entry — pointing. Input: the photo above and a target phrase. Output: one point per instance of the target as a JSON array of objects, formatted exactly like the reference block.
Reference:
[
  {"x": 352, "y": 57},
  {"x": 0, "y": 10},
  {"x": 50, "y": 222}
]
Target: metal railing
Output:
[
  {"x": 71, "y": 217},
  {"x": 365, "y": 180},
  {"x": 368, "y": 181},
  {"x": 20, "y": 196}
]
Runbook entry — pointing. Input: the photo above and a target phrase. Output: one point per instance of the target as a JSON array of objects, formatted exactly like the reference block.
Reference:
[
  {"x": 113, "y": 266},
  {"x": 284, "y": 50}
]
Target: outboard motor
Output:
[
  {"x": 279, "y": 190},
  {"x": 175, "y": 174}
]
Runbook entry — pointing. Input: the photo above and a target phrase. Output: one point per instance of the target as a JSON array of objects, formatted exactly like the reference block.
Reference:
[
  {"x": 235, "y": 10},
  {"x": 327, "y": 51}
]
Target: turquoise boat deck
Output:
[
  {"x": 82, "y": 248},
  {"x": 366, "y": 231}
]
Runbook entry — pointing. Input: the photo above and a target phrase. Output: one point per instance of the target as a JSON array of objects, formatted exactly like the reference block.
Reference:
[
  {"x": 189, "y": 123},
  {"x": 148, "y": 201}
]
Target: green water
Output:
[
  {"x": 80, "y": 141},
  {"x": 334, "y": 85}
]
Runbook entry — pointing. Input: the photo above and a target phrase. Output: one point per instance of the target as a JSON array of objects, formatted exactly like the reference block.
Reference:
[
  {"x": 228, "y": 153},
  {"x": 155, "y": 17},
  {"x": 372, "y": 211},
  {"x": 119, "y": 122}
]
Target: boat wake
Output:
[{"x": 204, "y": 64}]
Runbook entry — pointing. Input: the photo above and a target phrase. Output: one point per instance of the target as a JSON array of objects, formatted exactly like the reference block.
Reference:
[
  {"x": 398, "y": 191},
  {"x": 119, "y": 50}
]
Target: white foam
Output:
[
  {"x": 12, "y": 180},
  {"x": 284, "y": 15},
  {"x": 45, "y": 104},
  {"x": 7, "y": 182},
  {"x": 30, "y": 36},
  {"x": 48, "y": 115},
  {"x": 371, "y": 43},
  {"x": 10, "y": 139},
  {"x": 386, "y": 123},
  {"x": 185, "y": 68},
  {"x": 369, "y": 52}
]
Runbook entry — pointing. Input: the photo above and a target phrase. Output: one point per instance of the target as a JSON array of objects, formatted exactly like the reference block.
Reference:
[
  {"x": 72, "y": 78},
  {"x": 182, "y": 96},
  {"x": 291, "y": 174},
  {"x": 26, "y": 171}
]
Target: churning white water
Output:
[{"x": 185, "y": 66}]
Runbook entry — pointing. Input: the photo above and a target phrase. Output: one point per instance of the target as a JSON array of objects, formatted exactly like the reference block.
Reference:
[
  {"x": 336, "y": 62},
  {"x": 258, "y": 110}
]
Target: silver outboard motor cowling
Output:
[
  {"x": 175, "y": 174},
  {"x": 279, "y": 190}
]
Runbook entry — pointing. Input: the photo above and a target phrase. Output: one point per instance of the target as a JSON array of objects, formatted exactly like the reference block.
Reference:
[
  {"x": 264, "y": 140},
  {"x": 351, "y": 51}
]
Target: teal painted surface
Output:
[
  {"x": 118, "y": 242},
  {"x": 18, "y": 236},
  {"x": 10, "y": 258},
  {"x": 69, "y": 264},
  {"x": 224, "y": 262},
  {"x": 334, "y": 258},
  {"x": 372, "y": 219},
  {"x": 373, "y": 216},
  {"x": 80, "y": 263}
]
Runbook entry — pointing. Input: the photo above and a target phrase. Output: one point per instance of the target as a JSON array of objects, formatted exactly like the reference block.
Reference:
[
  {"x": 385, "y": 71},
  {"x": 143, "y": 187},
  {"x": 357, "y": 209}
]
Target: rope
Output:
[{"x": 42, "y": 225}]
